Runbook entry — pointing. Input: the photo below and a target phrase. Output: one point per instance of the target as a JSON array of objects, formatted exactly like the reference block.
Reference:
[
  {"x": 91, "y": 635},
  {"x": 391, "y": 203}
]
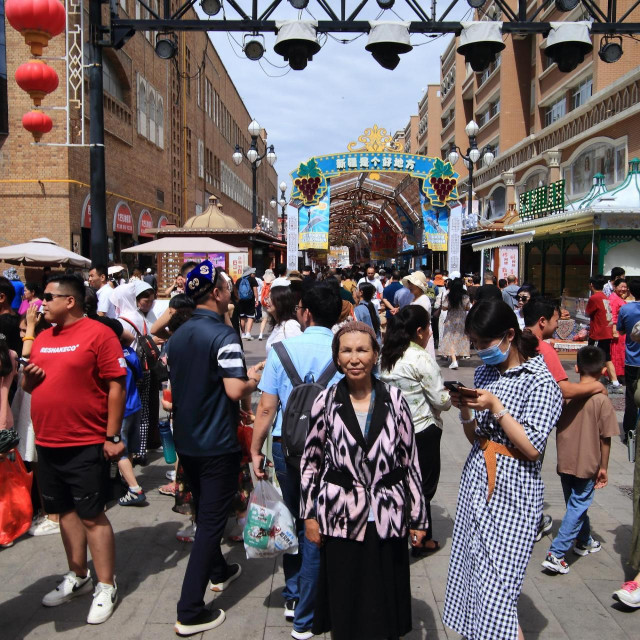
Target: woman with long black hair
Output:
[
  {"x": 453, "y": 341},
  {"x": 507, "y": 419},
  {"x": 365, "y": 312},
  {"x": 282, "y": 315},
  {"x": 406, "y": 364}
]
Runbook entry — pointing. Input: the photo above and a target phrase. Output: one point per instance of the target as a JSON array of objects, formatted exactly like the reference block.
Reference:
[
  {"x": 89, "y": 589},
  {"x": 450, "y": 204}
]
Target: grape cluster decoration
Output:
[
  {"x": 441, "y": 183},
  {"x": 309, "y": 185}
]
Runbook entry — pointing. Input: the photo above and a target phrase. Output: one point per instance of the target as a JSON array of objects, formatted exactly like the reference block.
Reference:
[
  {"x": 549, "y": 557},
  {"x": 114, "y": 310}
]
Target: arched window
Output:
[
  {"x": 151, "y": 114},
  {"x": 534, "y": 268},
  {"x": 604, "y": 156},
  {"x": 160, "y": 121},
  {"x": 142, "y": 106},
  {"x": 496, "y": 206},
  {"x": 534, "y": 180},
  {"x": 111, "y": 82}
]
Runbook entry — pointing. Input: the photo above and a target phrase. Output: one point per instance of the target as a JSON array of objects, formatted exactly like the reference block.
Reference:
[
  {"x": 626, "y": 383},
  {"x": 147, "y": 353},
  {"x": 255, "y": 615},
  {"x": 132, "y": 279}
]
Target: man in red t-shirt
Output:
[
  {"x": 76, "y": 377},
  {"x": 601, "y": 327},
  {"x": 541, "y": 317}
]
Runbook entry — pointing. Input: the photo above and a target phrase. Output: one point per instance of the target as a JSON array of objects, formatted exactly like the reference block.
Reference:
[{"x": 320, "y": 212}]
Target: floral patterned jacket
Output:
[{"x": 343, "y": 476}]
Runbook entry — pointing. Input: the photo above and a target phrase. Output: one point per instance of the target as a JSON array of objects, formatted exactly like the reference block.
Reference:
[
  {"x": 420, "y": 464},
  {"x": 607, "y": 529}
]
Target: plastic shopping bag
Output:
[
  {"x": 15, "y": 497},
  {"x": 270, "y": 528}
]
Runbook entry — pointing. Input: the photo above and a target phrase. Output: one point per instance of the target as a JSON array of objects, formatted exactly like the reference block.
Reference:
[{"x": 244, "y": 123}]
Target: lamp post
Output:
[
  {"x": 283, "y": 204},
  {"x": 472, "y": 157},
  {"x": 254, "y": 159}
]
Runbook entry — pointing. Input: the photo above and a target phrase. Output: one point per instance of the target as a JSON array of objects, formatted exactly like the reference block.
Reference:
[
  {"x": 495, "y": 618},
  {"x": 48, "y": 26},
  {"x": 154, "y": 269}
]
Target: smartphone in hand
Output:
[{"x": 454, "y": 385}]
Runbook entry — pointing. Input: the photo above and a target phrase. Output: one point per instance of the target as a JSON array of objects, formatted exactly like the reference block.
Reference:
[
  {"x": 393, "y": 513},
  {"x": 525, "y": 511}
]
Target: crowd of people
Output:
[{"x": 350, "y": 398}]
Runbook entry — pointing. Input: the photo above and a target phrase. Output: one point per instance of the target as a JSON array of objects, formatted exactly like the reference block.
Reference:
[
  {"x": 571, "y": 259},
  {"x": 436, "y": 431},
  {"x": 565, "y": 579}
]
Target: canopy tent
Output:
[
  {"x": 42, "y": 252},
  {"x": 185, "y": 244}
]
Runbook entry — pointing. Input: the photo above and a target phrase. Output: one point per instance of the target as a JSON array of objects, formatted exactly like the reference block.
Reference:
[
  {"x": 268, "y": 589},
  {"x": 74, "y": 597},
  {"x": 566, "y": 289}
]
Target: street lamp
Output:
[
  {"x": 254, "y": 158},
  {"x": 283, "y": 204},
  {"x": 472, "y": 157}
]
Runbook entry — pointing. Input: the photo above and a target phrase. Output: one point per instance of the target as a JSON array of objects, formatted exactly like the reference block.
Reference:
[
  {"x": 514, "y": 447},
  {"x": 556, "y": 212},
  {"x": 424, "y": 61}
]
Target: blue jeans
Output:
[
  {"x": 300, "y": 571},
  {"x": 578, "y": 495}
]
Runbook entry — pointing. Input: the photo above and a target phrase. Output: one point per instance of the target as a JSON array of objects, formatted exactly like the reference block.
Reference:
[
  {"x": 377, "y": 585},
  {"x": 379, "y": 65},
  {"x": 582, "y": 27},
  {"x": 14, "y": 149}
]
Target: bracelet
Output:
[
  {"x": 27, "y": 338},
  {"x": 500, "y": 414},
  {"x": 469, "y": 421}
]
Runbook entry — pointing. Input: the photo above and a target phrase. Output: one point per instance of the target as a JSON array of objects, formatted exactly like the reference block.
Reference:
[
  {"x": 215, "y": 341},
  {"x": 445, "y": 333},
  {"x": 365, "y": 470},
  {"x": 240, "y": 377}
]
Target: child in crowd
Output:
[
  {"x": 130, "y": 428},
  {"x": 583, "y": 442}
]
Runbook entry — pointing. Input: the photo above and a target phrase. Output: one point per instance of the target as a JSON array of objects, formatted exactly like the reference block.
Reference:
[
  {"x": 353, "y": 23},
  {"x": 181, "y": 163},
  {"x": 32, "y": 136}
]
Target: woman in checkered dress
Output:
[{"x": 517, "y": 403}]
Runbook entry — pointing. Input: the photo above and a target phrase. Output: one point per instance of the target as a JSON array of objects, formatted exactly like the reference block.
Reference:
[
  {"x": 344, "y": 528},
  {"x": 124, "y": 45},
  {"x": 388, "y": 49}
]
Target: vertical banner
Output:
[
  {"x": 237, "y": 263},
  {"x": 508, "y": 261},
  {"x": 455, "y": 238},
  {"x": 292, "y": 239},
  {"x": 383, "y": 241},
  {"x": 313, "y": 223},
  {"x": 435, "y": 225}
]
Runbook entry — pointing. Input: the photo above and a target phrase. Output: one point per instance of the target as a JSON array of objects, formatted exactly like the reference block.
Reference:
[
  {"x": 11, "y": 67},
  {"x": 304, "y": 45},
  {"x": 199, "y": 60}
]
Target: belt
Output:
[
  {"x": 490, "y": 450},
  {"x": 346, "y": 480},
  {"x": 276, "y": 439}
]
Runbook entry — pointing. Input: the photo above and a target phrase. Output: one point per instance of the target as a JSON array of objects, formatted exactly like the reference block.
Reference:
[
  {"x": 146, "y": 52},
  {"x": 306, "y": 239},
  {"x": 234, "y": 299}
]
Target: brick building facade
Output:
[{"x": 171, "y": 128}]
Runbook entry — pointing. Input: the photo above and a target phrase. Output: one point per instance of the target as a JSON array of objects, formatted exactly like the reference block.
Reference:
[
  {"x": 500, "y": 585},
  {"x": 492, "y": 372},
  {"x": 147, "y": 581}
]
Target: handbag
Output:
[
  {"x": 148, "y": 353},
  {"x": 16, "y": 510}
]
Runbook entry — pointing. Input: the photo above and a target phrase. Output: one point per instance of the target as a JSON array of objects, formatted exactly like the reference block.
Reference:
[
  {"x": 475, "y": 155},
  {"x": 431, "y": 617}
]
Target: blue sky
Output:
[{"x": 342, "y": 91}]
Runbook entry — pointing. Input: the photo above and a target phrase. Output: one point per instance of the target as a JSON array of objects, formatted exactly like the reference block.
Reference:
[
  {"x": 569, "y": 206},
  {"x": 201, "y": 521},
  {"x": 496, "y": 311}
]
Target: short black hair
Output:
[
  {"x": 617, "y": 272},
  {"x": 307, "y": 268},
  {"x": 395, "y": 275},
  {"x": 180, "y": 301},
  {"x": 475, "y": 278},
  {"x": 591, "y": 361},
  {"x": 367, "y": 290},
  {"x": 324, "y": 303},
  {"x": 186, "y": 267},
  {"x": 539, "y": 307},
  {"x": 502, "y": 283},
  {"x": 280, "y": 270},
  {"x": 100, "y": 271},
  {"x": 634, "y": 287},
  {"x": 598, "y": 282},
  {"x": 72, "y": 284},
  {"x": 7, "y": 289}
]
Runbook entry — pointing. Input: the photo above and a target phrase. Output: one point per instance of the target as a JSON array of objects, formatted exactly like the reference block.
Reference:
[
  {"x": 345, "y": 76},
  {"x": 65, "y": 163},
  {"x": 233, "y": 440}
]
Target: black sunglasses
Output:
[
  {"x": 523, "y": 298},
  {"x": 48, "y": 297}
]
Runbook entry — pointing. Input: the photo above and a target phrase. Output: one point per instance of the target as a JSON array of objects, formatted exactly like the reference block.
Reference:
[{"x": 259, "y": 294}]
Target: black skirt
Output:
[{"x": 364, "y": 590}]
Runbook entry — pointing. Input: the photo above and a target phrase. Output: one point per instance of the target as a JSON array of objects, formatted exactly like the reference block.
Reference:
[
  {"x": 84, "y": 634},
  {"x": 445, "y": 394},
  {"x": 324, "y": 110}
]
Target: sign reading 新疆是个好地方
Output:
[{"x": 542, "y": 201}]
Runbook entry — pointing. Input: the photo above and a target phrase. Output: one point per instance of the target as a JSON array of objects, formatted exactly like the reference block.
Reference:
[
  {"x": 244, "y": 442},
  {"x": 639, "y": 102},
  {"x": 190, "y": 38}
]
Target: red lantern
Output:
[
  {"x": 37, "y": 20},
  {"x": 38, "y": 123},
  {"x": 37, "y": 79}
]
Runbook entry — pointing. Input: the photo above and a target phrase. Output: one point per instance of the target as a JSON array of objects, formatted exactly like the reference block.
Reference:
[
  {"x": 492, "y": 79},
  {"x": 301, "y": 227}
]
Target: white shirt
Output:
[
  {"x": 281, "y": 282},
  {"x": 376, "y": 283},
  {"x": 142, "y": 322},
  {"x": 287, "y": 329},
  {"x": 424, "y": 302},
  {"x": 104, "y": 301}
]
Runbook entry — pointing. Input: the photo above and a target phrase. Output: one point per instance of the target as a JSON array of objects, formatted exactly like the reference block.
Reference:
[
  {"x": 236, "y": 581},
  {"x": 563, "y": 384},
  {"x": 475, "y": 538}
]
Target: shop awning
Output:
[
  {"x": 574, "y": 226},
  {"x": 504, "y": 241},
  {"x": 185, "y": 244}
]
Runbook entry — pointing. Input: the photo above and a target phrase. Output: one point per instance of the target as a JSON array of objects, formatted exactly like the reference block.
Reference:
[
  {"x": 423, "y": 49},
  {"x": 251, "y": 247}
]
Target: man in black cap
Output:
[{"x": 208, "y": 378}]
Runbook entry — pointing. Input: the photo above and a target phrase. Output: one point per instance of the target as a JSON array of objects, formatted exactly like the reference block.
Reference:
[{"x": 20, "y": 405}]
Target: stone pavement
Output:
[{"x": 151, "y": 564}]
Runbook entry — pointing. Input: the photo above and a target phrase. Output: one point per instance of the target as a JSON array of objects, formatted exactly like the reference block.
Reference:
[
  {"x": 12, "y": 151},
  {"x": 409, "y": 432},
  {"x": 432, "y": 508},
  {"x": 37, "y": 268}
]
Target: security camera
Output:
[
  {"x": 297, "y": 42},
  {"x": 480, "y": 42},
  {"x": 387, "y": 40},
  {"x": 568, "y": 43}
]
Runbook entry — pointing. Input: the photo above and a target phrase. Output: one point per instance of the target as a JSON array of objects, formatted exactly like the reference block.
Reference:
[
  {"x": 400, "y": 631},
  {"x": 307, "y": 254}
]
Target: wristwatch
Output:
[{"x": 114, "y": 439}]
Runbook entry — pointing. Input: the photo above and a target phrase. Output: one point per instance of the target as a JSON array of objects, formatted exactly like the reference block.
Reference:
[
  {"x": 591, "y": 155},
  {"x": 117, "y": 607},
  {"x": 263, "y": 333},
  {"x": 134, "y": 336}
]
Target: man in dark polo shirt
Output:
[{"x": 208, "y": 378}]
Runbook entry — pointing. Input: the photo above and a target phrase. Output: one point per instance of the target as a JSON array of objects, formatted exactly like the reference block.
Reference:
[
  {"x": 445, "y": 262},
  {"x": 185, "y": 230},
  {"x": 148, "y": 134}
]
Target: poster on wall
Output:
[
  {"x": 507, "y": 261},
  {"x": 237, "y": 263},
  {"x": 313, "y": 223},
  {"x": 455, "y": 238},
  {"x": 292, "y": 239},
  {"x": 338, "y": 257},
  {"x": 435, "y": 225},
  {"x": 216, "y": 259}
]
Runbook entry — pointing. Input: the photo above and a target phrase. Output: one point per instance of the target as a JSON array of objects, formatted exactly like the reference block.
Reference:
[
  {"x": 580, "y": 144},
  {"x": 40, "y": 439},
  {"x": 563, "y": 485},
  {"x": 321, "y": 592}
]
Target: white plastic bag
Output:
[{"x": 270, "y": 528}]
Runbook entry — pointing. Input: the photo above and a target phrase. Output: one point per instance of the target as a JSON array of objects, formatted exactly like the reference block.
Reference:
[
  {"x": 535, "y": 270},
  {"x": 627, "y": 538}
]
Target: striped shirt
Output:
[{"x": 201, "y": 353}]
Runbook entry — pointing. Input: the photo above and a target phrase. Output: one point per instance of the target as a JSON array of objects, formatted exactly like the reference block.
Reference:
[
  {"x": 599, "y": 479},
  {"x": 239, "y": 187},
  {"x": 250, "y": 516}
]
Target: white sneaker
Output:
[
  {"x": 453, "y": 365},
  {"x": 301, "y": 635},
  {"x": 171, "y": 475},
  {"x": 248, "y": 336},
  {"x": 44, "y": 527},
  {"x": 104, "y": 600},
  {"x": 70, "y": 587}
]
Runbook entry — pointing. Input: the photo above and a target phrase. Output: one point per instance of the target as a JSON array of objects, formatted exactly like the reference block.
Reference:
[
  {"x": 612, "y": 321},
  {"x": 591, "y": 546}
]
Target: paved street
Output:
[{"x": 151, "y": 563}]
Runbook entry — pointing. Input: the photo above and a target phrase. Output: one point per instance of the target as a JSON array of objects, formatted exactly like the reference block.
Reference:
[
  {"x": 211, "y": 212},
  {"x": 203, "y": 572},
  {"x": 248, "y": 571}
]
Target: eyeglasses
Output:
[
  {"x": 48, "y": 297},
  {"x": 523, "y": 298},
  {"x": 299, "y": 307}
]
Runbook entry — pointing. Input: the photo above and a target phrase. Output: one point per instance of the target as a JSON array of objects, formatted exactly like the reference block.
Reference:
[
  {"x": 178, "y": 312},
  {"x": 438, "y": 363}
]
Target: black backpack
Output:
[{"x": 297, "y": 414}]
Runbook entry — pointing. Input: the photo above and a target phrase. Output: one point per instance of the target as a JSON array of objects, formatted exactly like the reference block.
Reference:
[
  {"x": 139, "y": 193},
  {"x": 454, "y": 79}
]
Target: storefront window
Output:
[
  {"x": 577, "y": 270},
  {"x": 534, "y": 268},
  {"x": 598, "y": 158},
  {"x": 552, "y": 272}
]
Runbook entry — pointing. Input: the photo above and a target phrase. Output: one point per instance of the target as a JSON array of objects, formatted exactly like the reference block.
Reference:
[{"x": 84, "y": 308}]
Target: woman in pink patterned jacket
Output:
[{"x": 361, "y": 497}]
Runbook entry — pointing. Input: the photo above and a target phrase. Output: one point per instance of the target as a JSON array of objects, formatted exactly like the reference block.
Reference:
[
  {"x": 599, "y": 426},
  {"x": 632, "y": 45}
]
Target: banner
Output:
[
  {"x": 292, "y": 239},
  {"x": 313, "y": 223},
  {"x": 237, "y": 263},
  {"x": 508, "y": 261},
  {"x": 338, "y": 257},
  {"x": 455, "y": 238},
  {"x": 216, "y": 259},
  {"x": 383, "y": 241},
  {"x": 435, "y": 225}
]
